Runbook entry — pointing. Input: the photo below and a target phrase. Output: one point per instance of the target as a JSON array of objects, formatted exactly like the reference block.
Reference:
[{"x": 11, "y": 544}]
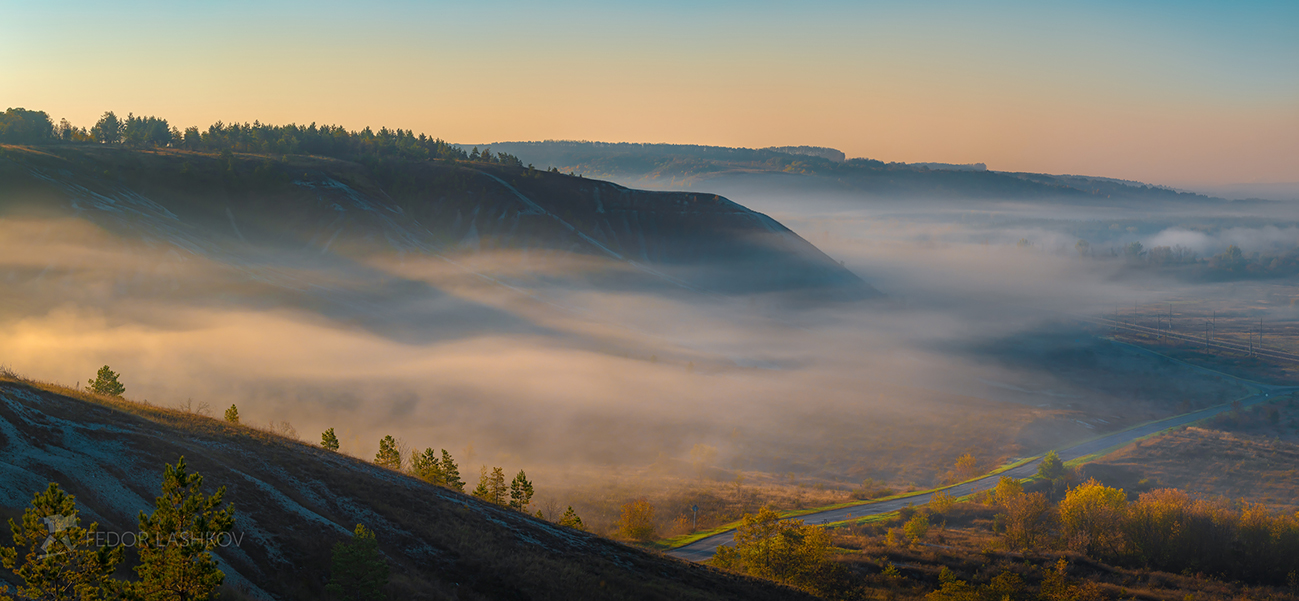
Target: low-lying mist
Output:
[{"x": 544, "y": 365}]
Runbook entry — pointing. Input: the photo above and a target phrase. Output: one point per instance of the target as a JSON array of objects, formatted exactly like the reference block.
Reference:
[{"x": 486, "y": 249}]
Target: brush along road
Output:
[{"x": 704, "y": 548}]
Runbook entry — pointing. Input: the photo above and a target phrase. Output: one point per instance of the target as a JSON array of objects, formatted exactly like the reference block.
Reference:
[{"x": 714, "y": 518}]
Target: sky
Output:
[{"x": 1176, "y": 93}]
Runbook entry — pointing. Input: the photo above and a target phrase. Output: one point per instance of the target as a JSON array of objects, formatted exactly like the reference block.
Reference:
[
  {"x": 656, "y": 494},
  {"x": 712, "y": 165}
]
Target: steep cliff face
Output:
[{"x": 238, "y": 205}]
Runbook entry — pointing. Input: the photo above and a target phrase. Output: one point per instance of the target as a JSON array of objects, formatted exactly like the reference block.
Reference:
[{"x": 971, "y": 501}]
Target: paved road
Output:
[{"x": 703, "y": 549}]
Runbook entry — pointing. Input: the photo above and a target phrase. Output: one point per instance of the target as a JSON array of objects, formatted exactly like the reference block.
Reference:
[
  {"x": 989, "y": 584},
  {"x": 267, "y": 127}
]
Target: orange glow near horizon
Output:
[{"x": 1020, "y": 96}]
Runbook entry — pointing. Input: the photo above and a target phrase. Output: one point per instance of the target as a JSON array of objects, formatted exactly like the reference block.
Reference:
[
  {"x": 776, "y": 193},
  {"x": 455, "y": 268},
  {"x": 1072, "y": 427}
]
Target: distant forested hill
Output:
[{"x": 690, "y": 167}]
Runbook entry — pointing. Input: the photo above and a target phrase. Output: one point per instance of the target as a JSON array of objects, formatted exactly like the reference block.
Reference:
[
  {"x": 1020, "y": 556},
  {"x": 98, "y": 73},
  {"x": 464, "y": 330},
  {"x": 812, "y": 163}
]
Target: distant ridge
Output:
[
  {"x": 799, "y": 170},
  {"x": 813, "y": 151},
  {"x": 952, "y": 167}
]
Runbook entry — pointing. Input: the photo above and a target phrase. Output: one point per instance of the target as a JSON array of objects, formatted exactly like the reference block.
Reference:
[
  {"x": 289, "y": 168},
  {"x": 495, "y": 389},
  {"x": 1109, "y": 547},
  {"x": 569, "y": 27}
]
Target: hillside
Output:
[
  {"x": 295, "y": 500},
  {"x": 238, "y": 206},
  {"x": 745, "y": 171}
]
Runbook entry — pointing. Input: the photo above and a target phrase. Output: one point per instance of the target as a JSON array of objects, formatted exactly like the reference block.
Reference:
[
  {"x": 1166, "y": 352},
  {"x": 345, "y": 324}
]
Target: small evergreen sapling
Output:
[
  {"x": 483, "y": 490},
  {"x": 571, "y": 520},
  {"x": 520, "y": 492},
  {"x": 491, "y": 486},
  {"x": 358, "y": 571},
  {"x": 232, "y": 414},
  {"x": 426, "y": 467},
  {"x": 388, "y": 456},
  {"x": 328, "y": 440},
  {"x": 451, "y": 473},
  {"x": 497, "y": 487},
  {"x": 105, "y": 382}
]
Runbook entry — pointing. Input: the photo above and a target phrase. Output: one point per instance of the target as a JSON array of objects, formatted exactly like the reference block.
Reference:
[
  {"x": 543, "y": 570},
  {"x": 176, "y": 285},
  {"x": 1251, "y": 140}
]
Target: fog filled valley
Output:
[{"x": 727, "y": 337}]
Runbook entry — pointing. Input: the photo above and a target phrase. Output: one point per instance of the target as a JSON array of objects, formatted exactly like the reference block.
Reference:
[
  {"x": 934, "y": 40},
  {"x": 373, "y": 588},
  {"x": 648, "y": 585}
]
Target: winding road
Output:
[{"x": 704, "y": 548}]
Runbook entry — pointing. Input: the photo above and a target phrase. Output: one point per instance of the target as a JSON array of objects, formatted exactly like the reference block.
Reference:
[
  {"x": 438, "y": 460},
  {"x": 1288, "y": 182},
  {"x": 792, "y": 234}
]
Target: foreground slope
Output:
[{"x": 294, "y": 501}]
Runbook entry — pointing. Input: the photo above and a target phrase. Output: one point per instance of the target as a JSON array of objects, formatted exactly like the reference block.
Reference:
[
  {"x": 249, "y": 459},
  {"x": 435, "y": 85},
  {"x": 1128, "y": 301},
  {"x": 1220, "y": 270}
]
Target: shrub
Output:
[
  {"x": 787, "y": 552},
  {"x": 917, "y": 527},
  {"x": 1051, "y": 468},
  {"x": 1026, "y": 520},
  {"x": 637, "y": 521},
  {"x": 940, "y": 502},
  {"x": 1091, "y": 519}
]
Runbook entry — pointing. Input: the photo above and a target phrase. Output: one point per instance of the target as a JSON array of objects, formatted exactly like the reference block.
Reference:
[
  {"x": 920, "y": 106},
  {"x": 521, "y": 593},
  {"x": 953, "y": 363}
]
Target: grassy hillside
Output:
[
  {"x": 295, "y": 500},
  {"x": 228, "y": 202}
]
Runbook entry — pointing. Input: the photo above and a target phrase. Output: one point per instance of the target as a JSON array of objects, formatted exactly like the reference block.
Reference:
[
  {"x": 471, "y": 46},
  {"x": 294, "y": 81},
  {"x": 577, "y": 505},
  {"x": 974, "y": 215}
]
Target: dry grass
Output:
[
  {"x": 1256, "y": 468},
  {"x": 1235, "y": 321},
  {"x": 719, "y": 502},
  {"x": 963, "y": 542},
  {"x": 440, "y": 544}
]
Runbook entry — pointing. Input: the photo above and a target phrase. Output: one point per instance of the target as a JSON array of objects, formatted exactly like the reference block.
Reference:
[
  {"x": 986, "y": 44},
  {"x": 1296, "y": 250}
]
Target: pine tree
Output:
[
  {"x": 328, "y": 440},
  {"x": 483, "y": 490},
  {"x": 426, "y": 467},
  {"x": 451, "y": 473},
  {"x": 497, "y": 487},
  {"x": 60, "y": 563},
  {"x": 176, "y": 541},
  {"x": 388, "y": 456},
  {"x": 358, "y": 571},
  {"x": 571, "y": 520},
  {"x": 105, "y": 382},
  {"x": 520, "y": 492},
  {"x": 232, "y": 414}
]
